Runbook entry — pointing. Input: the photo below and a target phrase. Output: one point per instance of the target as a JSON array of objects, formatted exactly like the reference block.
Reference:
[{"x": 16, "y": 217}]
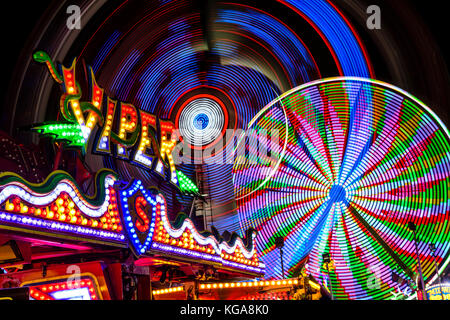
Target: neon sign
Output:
[
  {"x": 129, "y": 216},
  {"x": 135, "y": 138},
  {"x": 149, "y": 229},
  {"x": 86, "y": 288},
  {"x": 58, "y": 205}
]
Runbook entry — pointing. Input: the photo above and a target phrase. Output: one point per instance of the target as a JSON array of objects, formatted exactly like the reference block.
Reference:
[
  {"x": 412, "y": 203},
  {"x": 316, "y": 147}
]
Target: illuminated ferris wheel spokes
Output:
[
  {"x": 268, "y": 148},
  {"x": 363, "y": 159}
]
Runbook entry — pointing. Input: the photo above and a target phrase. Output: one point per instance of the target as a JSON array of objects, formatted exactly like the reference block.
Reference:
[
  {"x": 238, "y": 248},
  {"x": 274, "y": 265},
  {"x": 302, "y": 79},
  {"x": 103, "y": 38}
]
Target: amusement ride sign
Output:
[{"x": 136, "y": 128}]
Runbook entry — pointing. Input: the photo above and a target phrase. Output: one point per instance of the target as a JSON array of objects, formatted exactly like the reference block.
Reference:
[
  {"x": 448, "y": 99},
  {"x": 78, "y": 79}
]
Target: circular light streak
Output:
[
  {"x": 201, "y": 121},
  {"x": 363, "y": 159},
  {"x": 165, "y": 54}
]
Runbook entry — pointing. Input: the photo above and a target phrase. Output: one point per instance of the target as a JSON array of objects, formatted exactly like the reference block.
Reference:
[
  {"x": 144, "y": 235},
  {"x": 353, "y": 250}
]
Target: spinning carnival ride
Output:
[
  {"x": 208, "y": 68},
  {"x": 361, "y": 160},
  {"x": 345, "y": 164}
]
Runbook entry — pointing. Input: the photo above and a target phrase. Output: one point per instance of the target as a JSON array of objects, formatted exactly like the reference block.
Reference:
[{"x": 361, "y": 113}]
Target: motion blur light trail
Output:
[
  {"x": 363, "y": 159},
  {"x": 350, "y": 161},
  {"x": 242, "y": 57},
  {"x": 202, "y": 121},
  {"x": 337, "y": 32}
]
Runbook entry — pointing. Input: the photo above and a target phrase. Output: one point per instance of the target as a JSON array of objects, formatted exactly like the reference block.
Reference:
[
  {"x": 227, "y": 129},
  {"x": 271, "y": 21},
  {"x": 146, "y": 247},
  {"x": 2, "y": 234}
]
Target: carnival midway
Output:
[{"x": 180, "y": 157}]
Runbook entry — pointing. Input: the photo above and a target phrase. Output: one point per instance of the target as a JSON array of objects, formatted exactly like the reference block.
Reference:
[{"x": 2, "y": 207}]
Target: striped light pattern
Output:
[
  {"x": 363, "y": 159},
  {"x": 250, "y": 51},
  {"x": 201, "y": 121},
  {"x": 336, "y": 31}
]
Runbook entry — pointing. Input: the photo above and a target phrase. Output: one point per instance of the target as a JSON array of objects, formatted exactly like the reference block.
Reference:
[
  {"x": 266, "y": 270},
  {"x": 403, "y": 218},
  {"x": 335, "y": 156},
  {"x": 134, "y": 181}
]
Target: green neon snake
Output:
[
  {"x": 43, "y": 57},
  {"x": 67, "y": 112}
]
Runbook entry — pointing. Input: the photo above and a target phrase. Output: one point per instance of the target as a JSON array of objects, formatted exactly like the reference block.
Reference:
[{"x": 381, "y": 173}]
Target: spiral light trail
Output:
[
  {"x": 201, "y": 121},
  {"x": 364, "y": 158}
]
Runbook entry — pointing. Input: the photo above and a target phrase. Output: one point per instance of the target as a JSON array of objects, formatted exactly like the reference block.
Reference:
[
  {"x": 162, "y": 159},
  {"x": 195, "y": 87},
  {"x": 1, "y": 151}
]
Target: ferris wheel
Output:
[{"x": 349, "y": 163}]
